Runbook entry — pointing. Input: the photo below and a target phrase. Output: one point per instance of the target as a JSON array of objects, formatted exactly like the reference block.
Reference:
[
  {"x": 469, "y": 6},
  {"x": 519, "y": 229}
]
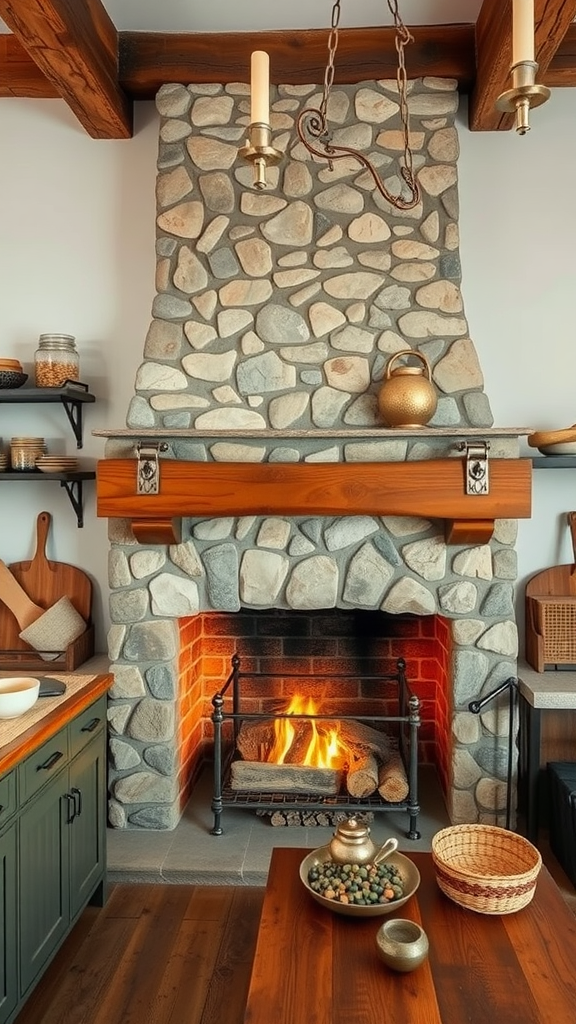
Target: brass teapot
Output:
[
  {"x": 407, "y": 397},
  {"x": 351, "y": 844}
]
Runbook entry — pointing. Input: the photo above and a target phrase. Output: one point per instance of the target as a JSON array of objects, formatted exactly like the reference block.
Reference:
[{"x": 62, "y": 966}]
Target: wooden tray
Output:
[{"x": 26, "y": 660}]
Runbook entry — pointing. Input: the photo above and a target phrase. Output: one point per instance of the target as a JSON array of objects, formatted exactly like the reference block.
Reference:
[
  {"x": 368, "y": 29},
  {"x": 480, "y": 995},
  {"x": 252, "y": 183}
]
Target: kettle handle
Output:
[{"x": 408, "y": 352}]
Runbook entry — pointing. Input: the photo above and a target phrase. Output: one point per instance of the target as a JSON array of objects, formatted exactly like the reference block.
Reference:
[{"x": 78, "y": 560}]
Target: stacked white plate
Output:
[
  {"x": 56, "y": 464},
  {"x": 3, "y": 462}
]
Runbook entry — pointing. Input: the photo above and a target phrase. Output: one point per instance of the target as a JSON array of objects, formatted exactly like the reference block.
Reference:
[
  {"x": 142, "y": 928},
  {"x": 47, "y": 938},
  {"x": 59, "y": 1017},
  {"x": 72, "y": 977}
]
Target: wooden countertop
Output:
[{"x": 20, "y": 736}]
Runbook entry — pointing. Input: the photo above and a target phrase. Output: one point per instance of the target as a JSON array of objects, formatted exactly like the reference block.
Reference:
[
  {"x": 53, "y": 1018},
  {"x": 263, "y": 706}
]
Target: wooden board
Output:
[{"x": 46, "y": 581}]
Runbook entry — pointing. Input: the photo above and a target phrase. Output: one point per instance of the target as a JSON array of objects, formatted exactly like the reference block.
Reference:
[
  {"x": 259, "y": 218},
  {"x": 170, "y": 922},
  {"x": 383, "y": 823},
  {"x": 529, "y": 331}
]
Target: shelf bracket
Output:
[
  {"x": 74, "y": 413},
  {"x": 74, "y": 491}
]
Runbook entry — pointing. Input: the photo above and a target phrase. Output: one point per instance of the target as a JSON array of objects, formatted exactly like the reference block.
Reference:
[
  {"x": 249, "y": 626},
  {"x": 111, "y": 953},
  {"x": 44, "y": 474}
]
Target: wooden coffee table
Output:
[{"x": 315, "y": 967}]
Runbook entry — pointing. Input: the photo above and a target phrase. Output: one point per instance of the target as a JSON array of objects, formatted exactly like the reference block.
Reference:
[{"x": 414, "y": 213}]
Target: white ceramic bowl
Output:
[{"x": 17, "y": 695}]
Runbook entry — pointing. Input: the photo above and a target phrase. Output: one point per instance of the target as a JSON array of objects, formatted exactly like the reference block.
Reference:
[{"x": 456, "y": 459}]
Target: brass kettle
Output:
[
  {"x": 407, "y": 397},
  {"x": 351, "y": 844}
]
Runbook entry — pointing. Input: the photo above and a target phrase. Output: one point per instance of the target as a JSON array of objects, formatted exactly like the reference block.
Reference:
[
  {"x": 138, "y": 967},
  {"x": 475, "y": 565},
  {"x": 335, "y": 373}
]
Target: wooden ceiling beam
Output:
[
  {"x": 19, "y": 75},
  {"x": 75, "y": 45},
  {"x": 561, "y": 71},
  {"x": 99, "y": 72},
  {"x": 552, "y": 20},
  {"x": 147, "y": 59}
]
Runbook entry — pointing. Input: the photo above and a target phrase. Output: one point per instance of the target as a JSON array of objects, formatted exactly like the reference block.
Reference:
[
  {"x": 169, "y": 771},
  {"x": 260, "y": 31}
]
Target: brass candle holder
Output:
[
  {"x": 524, "y": 94},
  {"x": 258, "y": 151}
]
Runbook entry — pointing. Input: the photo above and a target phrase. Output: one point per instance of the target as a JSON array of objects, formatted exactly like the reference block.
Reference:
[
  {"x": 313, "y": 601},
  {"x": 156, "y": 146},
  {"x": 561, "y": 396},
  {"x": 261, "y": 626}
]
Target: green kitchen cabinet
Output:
[
  {"x": 52, "y": 850},
  {"x": 87, "y": 832},
  {"x": 44, "y": 901},
  {"x": 8, "y": 924}
]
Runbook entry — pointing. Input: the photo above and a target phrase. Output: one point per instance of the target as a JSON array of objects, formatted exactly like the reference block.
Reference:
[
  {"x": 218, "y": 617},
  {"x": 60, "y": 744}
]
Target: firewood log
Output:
[
  {"x": 362, "y": 776},
  {"x": 256, "y": 737},
  {"x": 358, "y": 734},
  {"x": 392, "y": 779},
  {"x": 283, "y": 778}
]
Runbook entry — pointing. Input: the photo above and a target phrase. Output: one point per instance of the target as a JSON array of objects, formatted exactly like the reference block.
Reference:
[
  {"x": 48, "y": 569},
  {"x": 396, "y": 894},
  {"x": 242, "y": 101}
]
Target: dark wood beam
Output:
[
  {"x": 19, "y": 75},
  {"x": 562, "y": 68},
  {"x": 75, "y": 45},
  {"x": 552, "y": 19},
  {"x": 148, "y": 59},
  {"x": 99, "y": 72}
]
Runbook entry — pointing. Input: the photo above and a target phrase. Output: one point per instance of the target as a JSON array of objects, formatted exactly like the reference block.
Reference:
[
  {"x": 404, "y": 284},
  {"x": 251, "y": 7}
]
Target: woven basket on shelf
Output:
[{"x": 485, "y": 868}]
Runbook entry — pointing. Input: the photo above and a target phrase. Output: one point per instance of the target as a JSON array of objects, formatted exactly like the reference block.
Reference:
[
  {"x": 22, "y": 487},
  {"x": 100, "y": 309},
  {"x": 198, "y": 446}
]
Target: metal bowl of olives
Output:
[{"x": 397, "y": 875}]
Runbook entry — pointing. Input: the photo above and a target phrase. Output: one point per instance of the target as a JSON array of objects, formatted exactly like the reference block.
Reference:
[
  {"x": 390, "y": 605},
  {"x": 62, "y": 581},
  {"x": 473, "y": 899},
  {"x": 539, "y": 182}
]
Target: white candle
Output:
[
  {"x": 259, "y": 88},
  {"x": 522, "y": 30}
]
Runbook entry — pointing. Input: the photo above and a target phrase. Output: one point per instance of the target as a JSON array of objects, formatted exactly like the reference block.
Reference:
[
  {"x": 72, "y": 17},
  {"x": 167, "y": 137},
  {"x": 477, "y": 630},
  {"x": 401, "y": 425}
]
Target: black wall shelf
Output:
[
  {"x": 72, "y": 482},
  {"x": 72, "y": 396}
]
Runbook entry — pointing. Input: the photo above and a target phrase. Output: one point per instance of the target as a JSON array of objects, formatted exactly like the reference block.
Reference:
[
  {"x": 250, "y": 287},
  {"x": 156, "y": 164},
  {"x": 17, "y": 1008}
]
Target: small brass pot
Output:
[
  {"x": 401, "y": 944},
  {"x": 407, "y": 397}
]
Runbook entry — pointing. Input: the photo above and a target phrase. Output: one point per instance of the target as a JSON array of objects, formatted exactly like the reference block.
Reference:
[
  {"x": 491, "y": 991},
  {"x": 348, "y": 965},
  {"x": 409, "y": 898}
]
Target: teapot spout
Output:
[{"x": 389, "y": 847}]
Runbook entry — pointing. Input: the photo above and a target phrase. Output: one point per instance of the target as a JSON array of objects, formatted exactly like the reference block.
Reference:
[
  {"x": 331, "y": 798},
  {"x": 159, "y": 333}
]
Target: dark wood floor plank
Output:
[
  {"x": 209, "y": 902},
  {"x": 228, "y": 985},
  {"x": 154, "y": 954},
  {"x": 79, "y": 976},
  {"x": 182, "y": 991},
  {"x": 139, "y": 974}
]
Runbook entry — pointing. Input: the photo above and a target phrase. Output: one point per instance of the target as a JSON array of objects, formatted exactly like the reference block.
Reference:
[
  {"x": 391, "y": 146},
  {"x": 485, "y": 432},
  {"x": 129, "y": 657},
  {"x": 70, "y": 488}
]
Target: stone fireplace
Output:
[{"x": 274, "y": 318}]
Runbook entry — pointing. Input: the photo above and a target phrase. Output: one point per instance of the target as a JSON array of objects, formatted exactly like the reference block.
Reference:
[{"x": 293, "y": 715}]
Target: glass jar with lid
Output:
[{"x": 56, "y": 360}]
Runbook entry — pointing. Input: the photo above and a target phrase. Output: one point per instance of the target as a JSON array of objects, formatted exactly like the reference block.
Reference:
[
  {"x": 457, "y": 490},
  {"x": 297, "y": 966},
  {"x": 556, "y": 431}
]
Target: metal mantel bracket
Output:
[
  {"x": 148, "y": 466},
  {"x": 477, "y": 481}
]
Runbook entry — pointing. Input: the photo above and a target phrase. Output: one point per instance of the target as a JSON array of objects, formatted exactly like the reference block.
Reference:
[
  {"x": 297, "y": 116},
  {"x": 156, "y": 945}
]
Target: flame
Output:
[{"x": 325, "y": 749}]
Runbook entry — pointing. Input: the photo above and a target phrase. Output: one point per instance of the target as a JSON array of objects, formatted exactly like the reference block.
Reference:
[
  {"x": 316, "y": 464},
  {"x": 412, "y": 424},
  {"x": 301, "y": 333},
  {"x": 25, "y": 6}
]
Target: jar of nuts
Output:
[{"x": 56, "y": 360}]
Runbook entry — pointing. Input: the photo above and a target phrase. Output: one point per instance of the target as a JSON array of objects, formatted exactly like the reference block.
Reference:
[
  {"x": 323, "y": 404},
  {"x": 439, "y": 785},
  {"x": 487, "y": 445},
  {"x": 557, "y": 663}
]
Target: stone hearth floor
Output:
[{"x": 241, "y": 856}]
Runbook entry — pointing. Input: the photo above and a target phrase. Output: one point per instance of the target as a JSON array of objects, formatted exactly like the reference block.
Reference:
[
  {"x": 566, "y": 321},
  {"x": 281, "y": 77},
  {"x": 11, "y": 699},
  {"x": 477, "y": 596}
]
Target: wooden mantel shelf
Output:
[{"x": 433, "y": 489}]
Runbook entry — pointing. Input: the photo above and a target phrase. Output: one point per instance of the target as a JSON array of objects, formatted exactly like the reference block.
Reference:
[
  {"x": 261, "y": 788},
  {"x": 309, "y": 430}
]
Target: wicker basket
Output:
[{"x": 485, "y": 868}]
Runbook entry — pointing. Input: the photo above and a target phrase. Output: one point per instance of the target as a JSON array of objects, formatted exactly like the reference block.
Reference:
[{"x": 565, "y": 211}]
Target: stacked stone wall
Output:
[{"x": 274, "y": 319}]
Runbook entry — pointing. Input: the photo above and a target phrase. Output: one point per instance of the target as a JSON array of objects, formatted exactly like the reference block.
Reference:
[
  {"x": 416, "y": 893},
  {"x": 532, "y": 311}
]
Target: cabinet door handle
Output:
[
  {"x": 77, "y": 797},
  {"x": 71, "y": 808},
  {"x": 92, "y": 724},
  {"x": 52, "y": 760}
]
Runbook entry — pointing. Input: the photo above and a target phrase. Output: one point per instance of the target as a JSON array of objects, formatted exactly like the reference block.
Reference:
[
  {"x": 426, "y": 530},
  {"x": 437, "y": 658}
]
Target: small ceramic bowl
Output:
[
  {"x": 12, "y": 379},
  {"x": 402, "y": 945},
  {"x": 17, "y": 695}
]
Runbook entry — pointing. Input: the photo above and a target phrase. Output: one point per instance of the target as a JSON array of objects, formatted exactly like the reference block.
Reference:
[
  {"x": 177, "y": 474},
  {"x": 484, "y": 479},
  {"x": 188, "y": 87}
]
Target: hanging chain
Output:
[
  {"x": 403, "y": 37},
  {"x": 332, "y": 47},
  {"x": 318, "y": 119}
]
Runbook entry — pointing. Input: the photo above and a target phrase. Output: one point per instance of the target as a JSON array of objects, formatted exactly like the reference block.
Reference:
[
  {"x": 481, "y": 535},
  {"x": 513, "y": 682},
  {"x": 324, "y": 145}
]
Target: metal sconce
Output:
[
  {"x": 258, "y": 149},
  {"x": 312, "y": 125},
  {"x": 525, "y": 92}
]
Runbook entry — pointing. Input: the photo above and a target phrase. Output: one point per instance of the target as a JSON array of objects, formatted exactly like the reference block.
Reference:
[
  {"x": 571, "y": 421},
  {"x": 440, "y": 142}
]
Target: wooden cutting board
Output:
[
  {"x": 559, "y": 580},
  {"x": 45, "y": 582}
]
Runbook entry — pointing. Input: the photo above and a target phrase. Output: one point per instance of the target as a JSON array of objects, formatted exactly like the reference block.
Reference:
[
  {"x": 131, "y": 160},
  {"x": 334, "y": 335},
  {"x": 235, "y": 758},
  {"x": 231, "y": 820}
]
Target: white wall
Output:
[{"x": 77, "y": 255}]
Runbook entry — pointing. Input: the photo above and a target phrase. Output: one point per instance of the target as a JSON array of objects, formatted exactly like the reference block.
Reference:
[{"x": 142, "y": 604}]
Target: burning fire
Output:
[{"x": 324, "y": 750}]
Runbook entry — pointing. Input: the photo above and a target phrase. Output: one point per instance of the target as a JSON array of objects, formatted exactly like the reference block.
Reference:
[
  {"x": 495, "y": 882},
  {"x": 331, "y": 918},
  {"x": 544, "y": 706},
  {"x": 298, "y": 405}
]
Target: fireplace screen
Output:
[{"x": 305, "y": 757}]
